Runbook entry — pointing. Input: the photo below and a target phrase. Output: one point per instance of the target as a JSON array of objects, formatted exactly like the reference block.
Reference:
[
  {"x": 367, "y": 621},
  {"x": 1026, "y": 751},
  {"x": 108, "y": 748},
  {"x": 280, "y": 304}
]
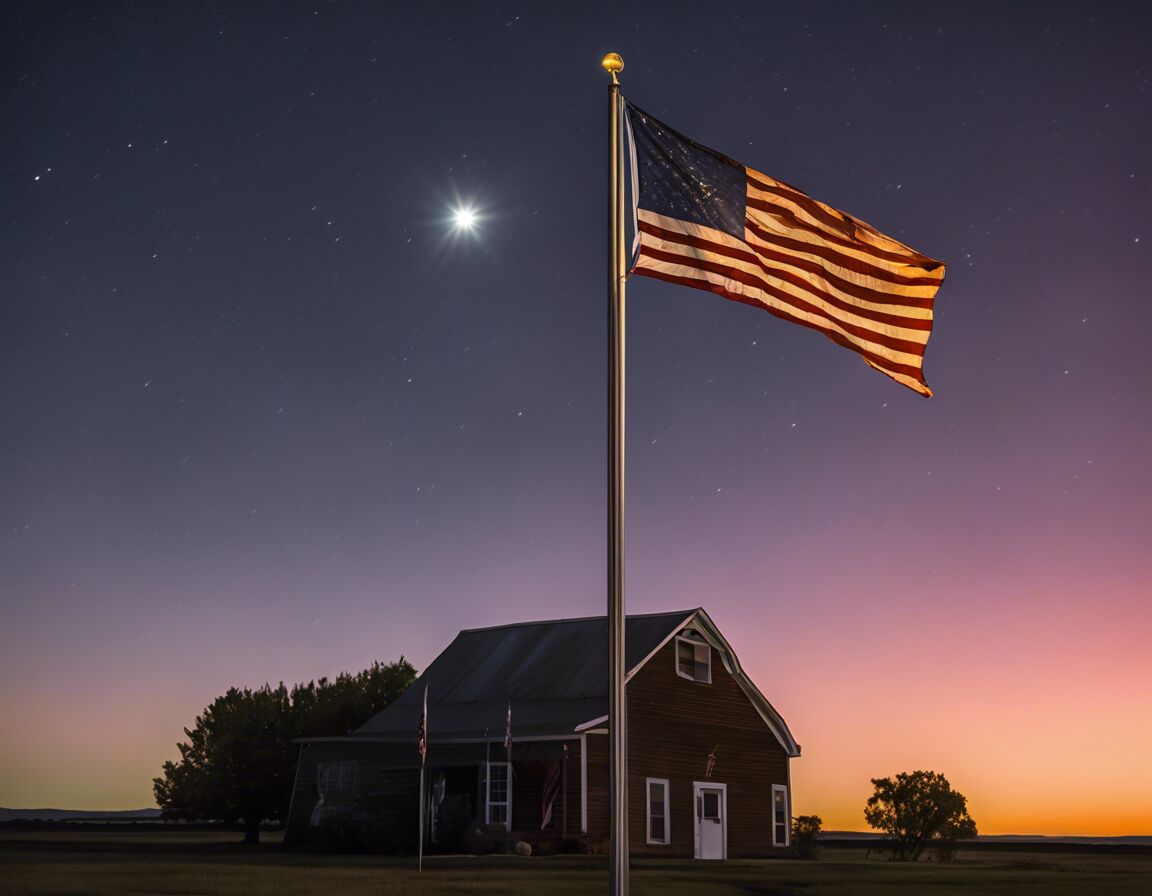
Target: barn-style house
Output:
[{"x": 708, "y": 755}]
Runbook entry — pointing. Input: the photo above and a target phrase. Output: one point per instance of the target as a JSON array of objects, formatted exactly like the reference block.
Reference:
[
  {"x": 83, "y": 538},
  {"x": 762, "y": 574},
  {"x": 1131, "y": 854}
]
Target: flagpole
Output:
[
  {"x": 423, "y": 757},
  {"x": 617, "y": 710}
]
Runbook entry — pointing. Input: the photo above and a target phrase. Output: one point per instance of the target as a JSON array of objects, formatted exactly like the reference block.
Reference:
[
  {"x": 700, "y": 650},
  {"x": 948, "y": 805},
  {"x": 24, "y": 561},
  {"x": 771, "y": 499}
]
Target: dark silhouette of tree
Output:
[
  {"x": 916, "y": 809},
  {"x": 805, "y": 831},
  {"x": 239, "y": 759}
]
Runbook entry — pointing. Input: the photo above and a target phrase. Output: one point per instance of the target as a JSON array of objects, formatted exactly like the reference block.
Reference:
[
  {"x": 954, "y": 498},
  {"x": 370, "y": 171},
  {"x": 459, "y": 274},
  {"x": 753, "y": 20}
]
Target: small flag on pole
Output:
[
  {"x": 508, "y": 733},
  {"x": 551, "y": 789},
  {"x": 706, "y": 221},
  {"x": 422, "y": 741}
]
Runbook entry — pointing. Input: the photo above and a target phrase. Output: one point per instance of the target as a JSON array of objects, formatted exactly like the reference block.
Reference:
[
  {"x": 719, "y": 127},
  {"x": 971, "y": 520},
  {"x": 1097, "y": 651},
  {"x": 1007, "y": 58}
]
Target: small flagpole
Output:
[
  {"x": 423, "y": 757},
  {"x": 617, "y": 709}
]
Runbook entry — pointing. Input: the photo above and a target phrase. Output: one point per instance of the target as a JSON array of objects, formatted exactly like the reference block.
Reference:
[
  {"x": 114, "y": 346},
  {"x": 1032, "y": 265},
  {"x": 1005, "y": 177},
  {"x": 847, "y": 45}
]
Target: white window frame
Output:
[
  {"x": 648, "y": 782},
  {"x": 782, "y": 788},
  {"x": 507, "y": 804},
  {"x": 697, "y": 646}
]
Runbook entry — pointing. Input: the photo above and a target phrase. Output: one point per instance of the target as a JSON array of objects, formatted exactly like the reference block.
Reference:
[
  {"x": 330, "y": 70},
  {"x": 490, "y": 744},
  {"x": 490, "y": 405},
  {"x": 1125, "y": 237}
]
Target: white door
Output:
[{"x": 711, "y": 823}]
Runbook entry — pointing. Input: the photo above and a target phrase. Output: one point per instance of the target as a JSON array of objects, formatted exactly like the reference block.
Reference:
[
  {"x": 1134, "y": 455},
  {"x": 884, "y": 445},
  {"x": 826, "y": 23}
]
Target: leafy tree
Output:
[
  {"x": 946, "y": 843},
  {"x": 329, "y": 708},
  {"x": 805, "y": 830},
  {"x": 235, "y": 763},
  {"x": 239, "y": 759},
  {"x": 917, "y": 809}
]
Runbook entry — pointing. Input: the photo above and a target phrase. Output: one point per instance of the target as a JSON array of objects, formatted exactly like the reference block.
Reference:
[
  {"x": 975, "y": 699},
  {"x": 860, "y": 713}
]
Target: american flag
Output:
[
  {"x": 551, "y": 789},
  {"x": 706, "y": 221},
  {"x": 422, "y": 740}
]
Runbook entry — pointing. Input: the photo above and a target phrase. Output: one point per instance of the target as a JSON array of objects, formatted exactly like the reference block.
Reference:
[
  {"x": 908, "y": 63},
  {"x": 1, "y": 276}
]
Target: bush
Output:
[
  {"x": 453, "y": 818},
  {"x": 805, "y": 830},
  {"x": 483, "y": 839}
]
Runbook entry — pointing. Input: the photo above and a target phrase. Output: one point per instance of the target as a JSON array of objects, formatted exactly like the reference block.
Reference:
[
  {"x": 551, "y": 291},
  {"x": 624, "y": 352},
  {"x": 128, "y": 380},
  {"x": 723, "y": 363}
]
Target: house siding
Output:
[
  {"x": 384, "y": 807},
  {"x": 527, "y": 800},
  {"x": 382, "y": 812},
  {"x": 673, "y": 726}
]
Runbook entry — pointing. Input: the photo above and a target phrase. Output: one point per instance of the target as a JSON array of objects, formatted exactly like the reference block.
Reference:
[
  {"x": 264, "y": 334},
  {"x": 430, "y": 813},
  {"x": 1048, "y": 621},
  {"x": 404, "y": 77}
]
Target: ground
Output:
[{"x": 214, "y": 864}]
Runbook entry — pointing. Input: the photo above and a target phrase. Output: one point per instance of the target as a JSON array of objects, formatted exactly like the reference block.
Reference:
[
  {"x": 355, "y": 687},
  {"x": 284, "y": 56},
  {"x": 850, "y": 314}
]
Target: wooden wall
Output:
[
  {"x": 387, "y": 800},
  {"x": 673, "y": 725},
  {"x": 386, "y": 797},
  {"x": 527, "y": 795}
]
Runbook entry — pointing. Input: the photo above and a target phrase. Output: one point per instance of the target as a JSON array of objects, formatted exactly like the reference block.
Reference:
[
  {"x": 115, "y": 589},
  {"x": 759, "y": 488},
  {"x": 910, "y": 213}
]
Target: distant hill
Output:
[
  {"x": 77, "y": 814},
  {"x": 1129, "y": 840}
]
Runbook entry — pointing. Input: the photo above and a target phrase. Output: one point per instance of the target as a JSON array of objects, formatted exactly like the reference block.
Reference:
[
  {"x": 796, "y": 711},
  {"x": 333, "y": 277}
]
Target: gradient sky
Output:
[{"x": 265, "y": 418}]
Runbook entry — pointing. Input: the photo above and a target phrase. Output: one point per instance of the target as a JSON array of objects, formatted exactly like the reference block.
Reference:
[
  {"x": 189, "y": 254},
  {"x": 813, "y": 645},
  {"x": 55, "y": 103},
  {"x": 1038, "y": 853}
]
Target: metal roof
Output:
[{"x": 555, "y": 673}]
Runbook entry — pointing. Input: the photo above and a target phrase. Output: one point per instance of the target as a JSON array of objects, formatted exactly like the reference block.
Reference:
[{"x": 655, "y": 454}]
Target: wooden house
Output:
[{"x": 708, "y": 755}]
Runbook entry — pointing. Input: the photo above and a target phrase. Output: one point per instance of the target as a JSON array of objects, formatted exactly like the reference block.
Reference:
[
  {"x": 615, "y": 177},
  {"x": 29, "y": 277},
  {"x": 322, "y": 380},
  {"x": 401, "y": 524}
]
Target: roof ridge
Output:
[{"x": 488, "y": 628}]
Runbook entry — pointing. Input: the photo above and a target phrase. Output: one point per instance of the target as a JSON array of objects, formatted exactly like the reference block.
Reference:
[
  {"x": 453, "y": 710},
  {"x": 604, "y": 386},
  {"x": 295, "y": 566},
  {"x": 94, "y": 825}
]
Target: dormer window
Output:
[{"x": 693, "y": 659}]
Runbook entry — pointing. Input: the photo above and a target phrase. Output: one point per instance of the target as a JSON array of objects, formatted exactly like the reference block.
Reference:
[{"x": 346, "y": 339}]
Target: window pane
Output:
[
  {"x": 711, "y": 804},
  {"x": 658, "y": 829},
  {"x": 686, "y": 658}
]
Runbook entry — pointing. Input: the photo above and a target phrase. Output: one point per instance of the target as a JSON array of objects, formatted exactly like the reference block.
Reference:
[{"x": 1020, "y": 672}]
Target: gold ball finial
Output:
[{"x": 612, "y": 63}]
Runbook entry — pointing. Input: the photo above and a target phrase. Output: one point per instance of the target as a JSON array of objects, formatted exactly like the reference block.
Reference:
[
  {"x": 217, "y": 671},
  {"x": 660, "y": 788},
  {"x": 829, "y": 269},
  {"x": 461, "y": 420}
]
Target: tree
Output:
[
  {"x": 805, "y": 830},
  {"x": 916, "y": 809},
  {"x": 239, "y": 759},
  {"x": 235, "y": 763}
]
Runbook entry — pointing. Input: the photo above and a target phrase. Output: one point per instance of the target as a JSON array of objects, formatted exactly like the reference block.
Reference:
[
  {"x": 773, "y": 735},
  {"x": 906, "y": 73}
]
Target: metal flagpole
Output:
[
  {"x": 617, "y": 722},
  {"x": 423, "y": 757}
]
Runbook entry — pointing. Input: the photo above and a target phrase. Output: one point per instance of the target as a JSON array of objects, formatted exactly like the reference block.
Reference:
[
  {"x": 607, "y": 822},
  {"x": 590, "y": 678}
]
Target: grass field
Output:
[{"x": 206, "y": 864}]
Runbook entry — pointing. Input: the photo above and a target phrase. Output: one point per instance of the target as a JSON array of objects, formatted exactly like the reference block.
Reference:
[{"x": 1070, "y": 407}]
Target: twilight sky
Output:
[{"x": 264, "y": 417}]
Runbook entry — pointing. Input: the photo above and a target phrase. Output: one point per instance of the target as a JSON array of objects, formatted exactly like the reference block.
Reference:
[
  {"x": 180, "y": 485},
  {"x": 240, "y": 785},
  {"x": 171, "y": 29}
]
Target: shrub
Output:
[
  {"x": 483, "y": 839},
  {"x": 805, "y": 831},
  {"x": 453, "y": 818}
]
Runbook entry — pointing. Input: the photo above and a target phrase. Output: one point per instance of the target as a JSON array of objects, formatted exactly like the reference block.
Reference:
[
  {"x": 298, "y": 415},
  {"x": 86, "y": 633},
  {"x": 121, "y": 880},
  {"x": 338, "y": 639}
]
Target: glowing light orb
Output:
[{"x": 464, "y": 218}]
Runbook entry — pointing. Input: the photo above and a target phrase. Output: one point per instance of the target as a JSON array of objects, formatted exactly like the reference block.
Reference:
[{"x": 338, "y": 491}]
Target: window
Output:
[
  {"x": 658, "y": 810},
  {"x": 498, "y": 808},
  {"x": 779, "y": 815},
  {"x": 693, "y": 661},
  {"x": 335, "y": 790}
]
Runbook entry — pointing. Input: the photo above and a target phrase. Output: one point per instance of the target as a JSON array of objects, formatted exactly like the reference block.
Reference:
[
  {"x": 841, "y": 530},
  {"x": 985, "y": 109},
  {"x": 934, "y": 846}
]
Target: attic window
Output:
[{"x": 693, "y": 660}]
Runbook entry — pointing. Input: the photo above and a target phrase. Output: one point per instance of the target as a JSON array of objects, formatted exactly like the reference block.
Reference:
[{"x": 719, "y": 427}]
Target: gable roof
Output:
[{"x": 554, "y": 673}]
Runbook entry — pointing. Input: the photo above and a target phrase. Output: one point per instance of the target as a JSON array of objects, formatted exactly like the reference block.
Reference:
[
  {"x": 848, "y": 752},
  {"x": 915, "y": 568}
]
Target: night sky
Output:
[{"x": 265, "y": 416}]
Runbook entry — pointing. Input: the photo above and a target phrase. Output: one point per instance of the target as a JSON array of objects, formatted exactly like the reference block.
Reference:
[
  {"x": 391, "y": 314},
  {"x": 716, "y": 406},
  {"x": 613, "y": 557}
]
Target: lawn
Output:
[{"x": 207, "y": 864}]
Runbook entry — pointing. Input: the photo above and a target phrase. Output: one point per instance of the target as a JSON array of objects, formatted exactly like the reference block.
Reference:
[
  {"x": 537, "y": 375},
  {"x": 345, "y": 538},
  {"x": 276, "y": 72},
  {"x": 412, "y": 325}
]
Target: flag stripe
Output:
[
  {"x": 894, "y": 298},
  {"x": 784, "y": 290},
  {"x": 809, "y": 277},
  {"x": 858, "y": 234},
  {"x": 798, "y": 239},
  {"x": 844, "y": 246},
  {"x": 910, "y": 372},
  {"x": 879, "y": 344}
]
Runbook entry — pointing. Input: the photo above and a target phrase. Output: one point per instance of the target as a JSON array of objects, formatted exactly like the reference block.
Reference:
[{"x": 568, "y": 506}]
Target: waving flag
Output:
[{"x": 706, "y": 221}]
